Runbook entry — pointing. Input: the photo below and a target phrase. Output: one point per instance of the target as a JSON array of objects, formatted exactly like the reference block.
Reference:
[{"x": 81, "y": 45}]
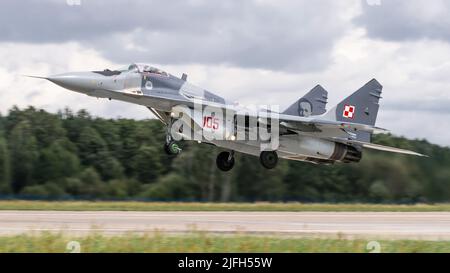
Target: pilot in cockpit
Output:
[{"x": 153, "y": 70}]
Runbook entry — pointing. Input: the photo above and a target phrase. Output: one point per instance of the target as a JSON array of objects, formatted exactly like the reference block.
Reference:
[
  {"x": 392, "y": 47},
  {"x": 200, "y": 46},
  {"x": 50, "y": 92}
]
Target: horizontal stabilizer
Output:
[
  {"x": 390, "y": 149},
  {"x": 378, "y": 147}
]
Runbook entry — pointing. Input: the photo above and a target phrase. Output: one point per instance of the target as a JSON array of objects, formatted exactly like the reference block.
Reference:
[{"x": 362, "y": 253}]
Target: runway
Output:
[{"x": 389, "y": 225}]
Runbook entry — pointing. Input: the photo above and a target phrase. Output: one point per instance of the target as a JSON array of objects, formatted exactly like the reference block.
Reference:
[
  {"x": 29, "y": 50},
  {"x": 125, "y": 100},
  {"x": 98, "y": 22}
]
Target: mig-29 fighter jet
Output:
[{"x": 305, "y": 131}]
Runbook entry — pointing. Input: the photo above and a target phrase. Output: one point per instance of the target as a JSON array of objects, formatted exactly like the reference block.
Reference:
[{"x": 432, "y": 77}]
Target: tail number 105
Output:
[{"x": 210, "y": 122}]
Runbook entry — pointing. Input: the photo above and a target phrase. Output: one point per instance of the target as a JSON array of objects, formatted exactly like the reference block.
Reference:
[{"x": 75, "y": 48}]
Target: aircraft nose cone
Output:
[{"x": 77, "y": 81}]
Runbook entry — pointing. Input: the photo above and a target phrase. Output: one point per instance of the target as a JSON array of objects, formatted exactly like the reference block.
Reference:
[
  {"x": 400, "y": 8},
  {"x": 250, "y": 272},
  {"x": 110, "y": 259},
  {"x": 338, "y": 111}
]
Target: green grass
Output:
[
  {"x": 201, "y": 242},
  {"x": 178, "y": 206}
]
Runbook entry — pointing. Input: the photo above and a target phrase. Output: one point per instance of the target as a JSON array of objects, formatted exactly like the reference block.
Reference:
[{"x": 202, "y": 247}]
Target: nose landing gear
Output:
[{"x": 172, "y": 148}]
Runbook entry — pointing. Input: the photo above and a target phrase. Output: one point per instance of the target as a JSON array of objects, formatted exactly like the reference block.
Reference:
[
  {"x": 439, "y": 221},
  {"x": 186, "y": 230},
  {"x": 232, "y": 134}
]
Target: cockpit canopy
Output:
[
  {"x": 145, "y": 68},
  {"x": 136, "y": 68}
]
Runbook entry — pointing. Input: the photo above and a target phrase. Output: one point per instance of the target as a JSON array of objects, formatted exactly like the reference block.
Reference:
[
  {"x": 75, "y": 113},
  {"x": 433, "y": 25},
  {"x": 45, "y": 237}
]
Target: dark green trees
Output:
[
  {"x": 4, "y": 166},
  {"x": 24, "y": 154},
  {"x": 76, "y": 155}
]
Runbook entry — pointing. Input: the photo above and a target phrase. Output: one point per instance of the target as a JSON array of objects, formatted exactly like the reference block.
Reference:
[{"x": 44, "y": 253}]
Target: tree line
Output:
[{"x": 76, "y": 155}]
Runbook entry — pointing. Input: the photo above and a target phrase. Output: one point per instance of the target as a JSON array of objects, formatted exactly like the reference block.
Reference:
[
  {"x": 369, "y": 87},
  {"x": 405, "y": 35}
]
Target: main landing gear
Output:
[
  {"x": 268, "y": 159},
  {"x": 225, "y": 161}
]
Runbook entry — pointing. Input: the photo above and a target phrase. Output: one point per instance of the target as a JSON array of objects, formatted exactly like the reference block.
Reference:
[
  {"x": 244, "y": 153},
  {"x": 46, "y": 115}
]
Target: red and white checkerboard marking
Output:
[{"x": 349, "y": 111}]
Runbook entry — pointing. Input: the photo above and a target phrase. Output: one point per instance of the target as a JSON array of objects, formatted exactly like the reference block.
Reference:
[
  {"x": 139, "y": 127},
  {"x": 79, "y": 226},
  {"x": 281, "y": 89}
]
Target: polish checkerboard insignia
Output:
[{"x": 349, "y": 111}]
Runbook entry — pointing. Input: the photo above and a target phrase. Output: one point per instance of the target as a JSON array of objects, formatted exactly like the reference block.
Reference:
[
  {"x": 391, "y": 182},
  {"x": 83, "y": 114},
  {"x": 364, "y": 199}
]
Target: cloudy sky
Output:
[{"x": 254, "y": 52}]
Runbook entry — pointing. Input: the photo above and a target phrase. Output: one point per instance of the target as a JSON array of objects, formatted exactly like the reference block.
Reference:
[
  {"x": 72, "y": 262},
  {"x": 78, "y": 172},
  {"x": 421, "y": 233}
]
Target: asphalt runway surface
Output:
[{"x": 389, "y": 225}]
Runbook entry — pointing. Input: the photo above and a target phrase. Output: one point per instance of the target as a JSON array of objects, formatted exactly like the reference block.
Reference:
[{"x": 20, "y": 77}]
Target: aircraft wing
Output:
[
  {"x": 342, "y": 132},
  {"x": 321, "y": 125},
  {"x": 315, "y": 125}
]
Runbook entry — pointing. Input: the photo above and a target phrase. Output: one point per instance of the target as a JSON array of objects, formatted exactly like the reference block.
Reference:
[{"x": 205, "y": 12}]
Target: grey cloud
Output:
[
  {"x": 285, "y": 35},
  {"x": 437, "y": 106},
  {"x": 402, "y": 20}
]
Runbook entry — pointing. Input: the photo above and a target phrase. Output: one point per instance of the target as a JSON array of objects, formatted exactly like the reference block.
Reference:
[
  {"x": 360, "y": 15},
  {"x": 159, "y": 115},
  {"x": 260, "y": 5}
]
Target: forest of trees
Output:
[{"x": 74, "y": 155}]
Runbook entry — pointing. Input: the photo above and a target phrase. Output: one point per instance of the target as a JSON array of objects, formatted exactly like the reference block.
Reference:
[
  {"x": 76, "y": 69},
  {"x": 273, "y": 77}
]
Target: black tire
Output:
[
  {"x": 224, "y": 163},
  {"x": 172, "y": 148},
  {"x": 269, "y": 159}
]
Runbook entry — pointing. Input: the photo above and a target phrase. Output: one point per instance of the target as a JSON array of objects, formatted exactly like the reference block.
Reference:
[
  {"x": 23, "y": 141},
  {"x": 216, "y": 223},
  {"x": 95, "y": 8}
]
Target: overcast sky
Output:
[{"x": 254, "y": 52}]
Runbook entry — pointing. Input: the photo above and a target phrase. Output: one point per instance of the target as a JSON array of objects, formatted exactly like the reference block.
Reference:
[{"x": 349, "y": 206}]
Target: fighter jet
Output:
[{"x": 305, "y": 131}]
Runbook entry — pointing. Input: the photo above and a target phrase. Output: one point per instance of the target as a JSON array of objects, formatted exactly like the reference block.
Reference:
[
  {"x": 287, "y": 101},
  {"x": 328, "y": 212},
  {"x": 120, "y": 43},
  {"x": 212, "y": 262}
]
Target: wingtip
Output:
[
  {"x": 379, "y": 130},
  {"x": 422, "y": 155}
]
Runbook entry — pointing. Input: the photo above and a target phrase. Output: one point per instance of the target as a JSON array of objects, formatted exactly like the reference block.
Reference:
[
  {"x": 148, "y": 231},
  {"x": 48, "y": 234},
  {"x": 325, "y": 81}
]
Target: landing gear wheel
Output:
[
  {"x": 225, "y": 161},
  {"x": 172, "y": 148},
  {"x": 268, "y": 159}
]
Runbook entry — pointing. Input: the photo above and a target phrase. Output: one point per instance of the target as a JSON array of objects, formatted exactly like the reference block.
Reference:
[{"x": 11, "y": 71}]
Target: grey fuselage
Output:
[{"x": 161, "y": 92}]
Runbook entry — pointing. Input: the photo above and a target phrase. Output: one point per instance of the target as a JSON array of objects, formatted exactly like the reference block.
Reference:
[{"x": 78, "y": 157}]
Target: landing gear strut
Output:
[
  {"x": 171, "y": 147},
  {"x": 268, "y": 159},
  {"x": 225, "y": 161}
]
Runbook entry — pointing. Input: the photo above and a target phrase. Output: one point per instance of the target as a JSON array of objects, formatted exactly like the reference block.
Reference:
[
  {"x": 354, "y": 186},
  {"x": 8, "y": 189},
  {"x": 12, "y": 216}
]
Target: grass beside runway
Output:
[
  {"x": 187, "y": 206},
  {"x": 200, "y": 242}
]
